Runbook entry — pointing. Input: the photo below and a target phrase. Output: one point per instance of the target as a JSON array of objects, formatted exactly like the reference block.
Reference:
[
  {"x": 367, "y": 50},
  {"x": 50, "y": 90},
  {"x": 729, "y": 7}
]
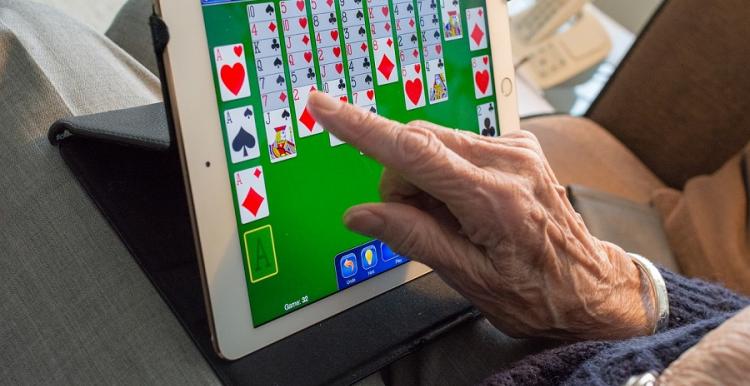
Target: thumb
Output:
[{"x": 412, "y": 233}]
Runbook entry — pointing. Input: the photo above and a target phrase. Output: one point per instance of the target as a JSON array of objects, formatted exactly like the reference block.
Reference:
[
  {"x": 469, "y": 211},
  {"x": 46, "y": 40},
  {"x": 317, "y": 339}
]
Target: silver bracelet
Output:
[{"x": 659, "y": 288}]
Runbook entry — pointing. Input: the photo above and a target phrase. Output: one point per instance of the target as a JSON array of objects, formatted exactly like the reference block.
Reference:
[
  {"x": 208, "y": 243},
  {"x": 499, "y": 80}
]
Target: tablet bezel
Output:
[{"x": 199, "y": 139}]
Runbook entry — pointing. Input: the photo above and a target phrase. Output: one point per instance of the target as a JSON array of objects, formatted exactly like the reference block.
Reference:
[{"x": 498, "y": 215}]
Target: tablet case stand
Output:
[{"x": 128, "y": 163}]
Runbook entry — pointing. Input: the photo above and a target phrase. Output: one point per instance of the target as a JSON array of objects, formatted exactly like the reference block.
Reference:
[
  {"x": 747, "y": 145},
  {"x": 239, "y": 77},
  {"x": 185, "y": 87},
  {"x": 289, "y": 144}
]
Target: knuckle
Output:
[{"x": 417, "y": 144}]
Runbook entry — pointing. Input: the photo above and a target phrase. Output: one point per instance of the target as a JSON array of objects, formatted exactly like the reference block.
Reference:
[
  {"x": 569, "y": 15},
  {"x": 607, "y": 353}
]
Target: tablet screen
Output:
[{"x": 291, "y": 180}]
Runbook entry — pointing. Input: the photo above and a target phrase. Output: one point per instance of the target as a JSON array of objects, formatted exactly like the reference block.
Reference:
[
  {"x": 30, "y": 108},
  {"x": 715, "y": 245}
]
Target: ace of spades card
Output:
[
  {"x": 477, "y": 28},
  {"x": 242, "y": 134},
  {"x": 413, "y": 86},
  {"x": 252, "y": 201},
  {"x": 231, "y": 70},
  {"x": 280, "y": 135},
  {"x": 487, "y": 117},
  {"x": 437, "y": 85},
  {"x": 482, "y": 76}
]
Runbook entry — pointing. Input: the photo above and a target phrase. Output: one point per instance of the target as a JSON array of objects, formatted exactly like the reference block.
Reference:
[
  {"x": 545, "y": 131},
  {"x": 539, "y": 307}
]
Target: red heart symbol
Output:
[
  {"x": 238, "y": 50},
  {"x": 370, "y": 94},
  {"x": 438, "y": 48},
  {"x": 344, "y": 99},
  {"x": 486, "y": 59},
  {"x": 417, "y": 68},
  {"x": 384, "y": 10},
  {"x": 308, "y": 56},
  {"x": 300, "y": 5},
  {"x": 233, "y": 77},
  {"x": 482, "y": 79},
  {"x": 303, "y": 22},
  {"x": 414, "y": 90},
  {"x": 334, "y": 35},
  {"x": 337, "y": 51},
  {"x": 339, "y": 67}
]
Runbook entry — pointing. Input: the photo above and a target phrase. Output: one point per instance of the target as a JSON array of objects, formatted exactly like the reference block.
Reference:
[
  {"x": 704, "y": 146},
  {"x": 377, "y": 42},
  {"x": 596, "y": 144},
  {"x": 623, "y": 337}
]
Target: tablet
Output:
[{"x": 268, "y": 185}]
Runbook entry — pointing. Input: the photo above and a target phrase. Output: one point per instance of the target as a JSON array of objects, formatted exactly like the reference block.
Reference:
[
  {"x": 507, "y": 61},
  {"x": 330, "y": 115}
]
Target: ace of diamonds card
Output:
[
  {"x": 231, "y": 70},
  {"x": 252, "y": 200}
]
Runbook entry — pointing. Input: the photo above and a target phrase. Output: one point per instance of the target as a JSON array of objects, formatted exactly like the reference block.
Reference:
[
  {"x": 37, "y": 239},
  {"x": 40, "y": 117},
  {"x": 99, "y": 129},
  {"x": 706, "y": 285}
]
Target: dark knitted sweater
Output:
[{"x": 695, "y": 308}]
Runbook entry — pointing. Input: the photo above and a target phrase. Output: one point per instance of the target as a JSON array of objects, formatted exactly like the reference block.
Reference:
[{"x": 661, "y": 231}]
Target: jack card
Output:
[{"x": 280, "y": 135}]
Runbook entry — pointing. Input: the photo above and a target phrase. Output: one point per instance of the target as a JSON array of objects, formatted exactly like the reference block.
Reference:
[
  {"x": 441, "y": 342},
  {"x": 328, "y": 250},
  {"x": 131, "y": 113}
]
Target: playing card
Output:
[
  {"x": 385, "y": 60},
  {"x": 306, "y": 123},
  {"x": 252, "y": 200},
  {"x": 322, "y": 6},
  {"x": 261, "y": 12},
  {"x": 403, "y": 8},
  {"x": 332, "y": 71},
  {"x": 433, "y": 52},
  {"x": 280, "y": 135},
  {"x": 231, "y": 70},
  {"x": 357, "y": 50},
  {"x": 335, "y": 87},
  {"x": 352, "y": 17},
  {"x": 297, "y": 43},
  {"x": 413, "y": 86},
  {"x": 264, "y": 30},
  {"x": 487, "y": 117},
  {"x": 300, "y": 59},
  {"x": 379, "y": 12},
  {"x": 364, "y": 98},
  {"x": 482, "y": 76},
  {"x": 429, "y": 22},
  {"x": 452, "y": 19},
  {"x": 267, "y": 47},
  {"x": 381, "y": 29},
  {"x": 427, "y": 7},
  {"x": 327, "y": 20},
  {"x": 348, "y": 5},
  {"x": 327, "y": 38},
  {"x": 275, "y": 100},
  {"x": 269, "y": 65},
  {"x": 356, "y": 33},
  {"x": 406, "y": 26},
  {"x": 410, "y": 56},
  {"x": 437, "y": 85},
  {"x": 376, "y": 3},
  {"x": 477, "y": 28},
  {"x": 360, "y": 66},
  {"x": 242, "y": 134},
  {"x": 272, "y": 83},
  {"x": 361, "y": 82},
  {"x": 303, "y": 77},
  {"x": 431, "y": 37},
  {"x": 296, "y": 25},
  {"x": 293, "y": 8}
]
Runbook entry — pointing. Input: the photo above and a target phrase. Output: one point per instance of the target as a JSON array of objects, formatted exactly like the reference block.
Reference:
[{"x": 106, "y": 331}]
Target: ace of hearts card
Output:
[
  {"x": 252, "y": 201},
  {"x": 413, "y": 86},
  {"x": 231, "y": 70},
  {"x": 242, "y": 134},
  {"x": 482, "y": 76}
]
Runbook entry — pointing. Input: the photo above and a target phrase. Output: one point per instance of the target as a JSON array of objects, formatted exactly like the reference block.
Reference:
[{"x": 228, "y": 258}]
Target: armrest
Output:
[{"x": 635, "y": 227}]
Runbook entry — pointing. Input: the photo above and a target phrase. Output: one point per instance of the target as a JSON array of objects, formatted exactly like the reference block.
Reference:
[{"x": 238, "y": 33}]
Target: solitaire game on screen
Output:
[{"x": 291, "y": 180}]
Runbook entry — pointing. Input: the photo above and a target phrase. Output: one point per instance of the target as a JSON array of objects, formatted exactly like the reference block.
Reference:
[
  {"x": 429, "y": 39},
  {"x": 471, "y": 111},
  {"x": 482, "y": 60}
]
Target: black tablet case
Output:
[{"x": 128, "y": 163}]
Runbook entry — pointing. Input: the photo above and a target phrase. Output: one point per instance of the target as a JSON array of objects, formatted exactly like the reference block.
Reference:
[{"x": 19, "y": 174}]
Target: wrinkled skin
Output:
[
  {"x": 488, "y": 215},
  {"x": 722, "y": 357}
]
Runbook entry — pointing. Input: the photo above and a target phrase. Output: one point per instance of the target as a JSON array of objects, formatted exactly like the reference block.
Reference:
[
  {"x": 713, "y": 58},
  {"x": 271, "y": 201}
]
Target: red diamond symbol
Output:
[
  {"x": 477, "y": 34},
  {"x": 307, "y": 119},
  {"x": 389, "y": 42},
  {"x": 386, "y": 67},
  {"x": 282, "y": 96},
  {"x": 305, "y": 39},
  {"x": 411, "y": 23},
  {"x": 253, "y": 201},
  {"x": 257, "y": 173},
  {"x": 272, "y": 26},
  {"x": 363, "y": 47},
  {"x": 480, "y": 13},
  {"x": 387, "y": 27}
]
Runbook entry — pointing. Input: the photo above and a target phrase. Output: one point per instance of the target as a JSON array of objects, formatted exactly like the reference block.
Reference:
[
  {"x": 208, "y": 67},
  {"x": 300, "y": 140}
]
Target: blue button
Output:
[
  {"x": 387, "y": 253},
  {"x": 348, "y": 265},
  {"x": 369, "y": 256}
]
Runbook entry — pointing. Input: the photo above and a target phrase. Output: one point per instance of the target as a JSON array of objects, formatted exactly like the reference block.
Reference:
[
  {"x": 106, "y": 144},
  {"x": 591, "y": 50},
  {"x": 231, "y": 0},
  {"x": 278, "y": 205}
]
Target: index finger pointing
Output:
[{"x": 414, "y": 152}]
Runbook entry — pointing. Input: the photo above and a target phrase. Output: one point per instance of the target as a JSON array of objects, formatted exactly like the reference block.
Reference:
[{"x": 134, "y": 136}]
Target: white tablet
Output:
[{"x": 268, "y": 185}]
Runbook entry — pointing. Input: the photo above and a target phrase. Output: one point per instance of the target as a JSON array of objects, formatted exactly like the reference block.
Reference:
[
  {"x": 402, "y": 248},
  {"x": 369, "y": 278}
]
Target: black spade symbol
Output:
[
  {"x": 341, "y": 85},
  {"x": 368, "y": 79},
  {"x": 248, "y": 113},
  {"x": 409, "y": 8},
  {"x": 413, "y": 38},
  {"x": 277, "y": 62},
  {"x": 373, "y": 109},
  {"x": 243, "y": 142},
  {"x": 455, "y": 2},
  {"x": 362, "y": 31},
  {"x": 269, "y": 9},
  {"x": 332, "y": 18},
  {"x": 436, "y": 35},
  {"x": 310, "y": 73},
  {"x": 280, "y": 79},
  {"x": 286, "y": 114},
  {"x": 360, "y": 15},
  {"x": 366, "y": 63},
  {"x": 357, "y": 1}
]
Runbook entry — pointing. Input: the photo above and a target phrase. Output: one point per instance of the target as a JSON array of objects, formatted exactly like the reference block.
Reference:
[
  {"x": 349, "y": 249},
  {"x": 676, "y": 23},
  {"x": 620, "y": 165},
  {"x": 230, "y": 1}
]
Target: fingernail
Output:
[
  {"x": 323, "y": 103},
  {"x": 364, "y": 222}
]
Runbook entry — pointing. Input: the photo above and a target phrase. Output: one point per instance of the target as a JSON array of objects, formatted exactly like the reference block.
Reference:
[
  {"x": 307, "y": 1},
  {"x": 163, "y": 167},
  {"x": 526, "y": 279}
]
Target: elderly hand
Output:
[{"x": 488, "y": 215}]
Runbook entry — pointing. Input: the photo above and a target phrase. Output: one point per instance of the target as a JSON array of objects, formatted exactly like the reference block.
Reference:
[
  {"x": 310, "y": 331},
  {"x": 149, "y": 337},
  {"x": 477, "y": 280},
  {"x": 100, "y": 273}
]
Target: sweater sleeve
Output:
[{"x": 695, "y": 308}]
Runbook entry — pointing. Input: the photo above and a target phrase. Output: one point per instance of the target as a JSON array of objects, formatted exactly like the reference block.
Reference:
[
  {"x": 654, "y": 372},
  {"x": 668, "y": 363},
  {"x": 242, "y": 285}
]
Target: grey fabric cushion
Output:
[
  {"x": 75, "y": 307},
  {"x": 130, "y": 30}
]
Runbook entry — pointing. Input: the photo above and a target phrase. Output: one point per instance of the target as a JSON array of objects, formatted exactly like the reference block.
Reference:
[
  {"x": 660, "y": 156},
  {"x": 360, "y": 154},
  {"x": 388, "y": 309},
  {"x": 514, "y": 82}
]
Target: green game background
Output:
[{"x": 308, "y": 195}]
